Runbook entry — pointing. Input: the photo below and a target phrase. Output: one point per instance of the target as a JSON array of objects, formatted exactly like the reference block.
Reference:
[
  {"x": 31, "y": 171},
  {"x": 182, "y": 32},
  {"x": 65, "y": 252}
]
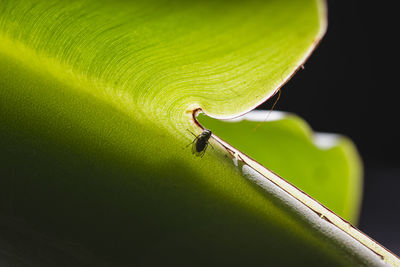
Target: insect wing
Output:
[
  {"x": 204, "y": 151},
  {"x": 194, "y": 148}
]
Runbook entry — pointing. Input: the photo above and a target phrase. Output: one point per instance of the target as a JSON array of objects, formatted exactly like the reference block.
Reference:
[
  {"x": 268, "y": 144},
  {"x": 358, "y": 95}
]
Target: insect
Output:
[{"x": 200, "y": 142}]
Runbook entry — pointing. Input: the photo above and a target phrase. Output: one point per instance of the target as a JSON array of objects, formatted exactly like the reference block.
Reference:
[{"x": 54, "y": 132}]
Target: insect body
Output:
[{"x": 200, "y": 143}]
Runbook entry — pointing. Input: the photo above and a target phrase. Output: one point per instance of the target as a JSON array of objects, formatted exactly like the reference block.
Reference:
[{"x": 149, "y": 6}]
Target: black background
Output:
[{"x": 349, "y": 86}]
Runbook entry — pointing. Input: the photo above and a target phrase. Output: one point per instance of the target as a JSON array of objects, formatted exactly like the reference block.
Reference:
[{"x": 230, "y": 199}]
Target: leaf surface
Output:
[
  {"x": 325, "y": 166},
  {"x": 95, "y": 100}
]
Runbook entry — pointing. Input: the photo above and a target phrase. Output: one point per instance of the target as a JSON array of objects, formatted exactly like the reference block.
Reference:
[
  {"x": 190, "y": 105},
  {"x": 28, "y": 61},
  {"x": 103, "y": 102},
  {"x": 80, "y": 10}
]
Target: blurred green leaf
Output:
[
  {"x": 325, "y": 166},
  {"x": 95, "y": 100}
]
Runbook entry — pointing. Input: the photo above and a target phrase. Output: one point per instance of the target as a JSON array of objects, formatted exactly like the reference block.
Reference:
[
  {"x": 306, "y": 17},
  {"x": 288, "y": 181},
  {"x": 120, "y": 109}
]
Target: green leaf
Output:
[
  {"x": 325, "y": 166},
  {"x": 95, "y": 100}
]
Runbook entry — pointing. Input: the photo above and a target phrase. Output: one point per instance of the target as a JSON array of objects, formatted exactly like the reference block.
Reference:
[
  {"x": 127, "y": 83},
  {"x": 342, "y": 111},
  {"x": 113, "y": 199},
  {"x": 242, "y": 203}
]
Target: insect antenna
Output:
[
  {"x": 270, "y": 111},
  {"x": 191, "y": 132}
]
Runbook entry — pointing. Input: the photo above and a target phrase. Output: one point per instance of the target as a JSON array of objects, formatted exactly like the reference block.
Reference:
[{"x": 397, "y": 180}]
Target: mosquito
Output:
[{"x": 200, "y": 143}]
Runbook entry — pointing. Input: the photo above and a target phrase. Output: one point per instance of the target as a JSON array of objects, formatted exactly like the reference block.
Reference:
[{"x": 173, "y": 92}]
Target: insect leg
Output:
[
  {"x": 192, "y": 141},
  {"x": 210, "y": 145}
]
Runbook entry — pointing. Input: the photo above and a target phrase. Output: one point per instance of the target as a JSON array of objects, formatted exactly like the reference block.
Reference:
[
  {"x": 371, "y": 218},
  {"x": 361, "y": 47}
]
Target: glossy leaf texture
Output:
[{"x": 95, "y": 100}]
